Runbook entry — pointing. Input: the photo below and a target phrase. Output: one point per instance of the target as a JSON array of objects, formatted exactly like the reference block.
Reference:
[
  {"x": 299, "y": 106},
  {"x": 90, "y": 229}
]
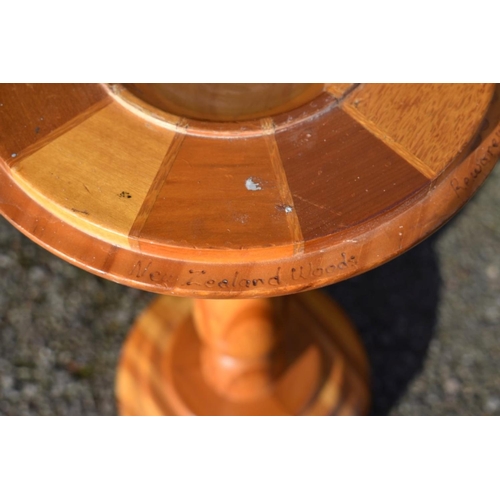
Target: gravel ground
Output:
[{"x": 429, "y": 319}]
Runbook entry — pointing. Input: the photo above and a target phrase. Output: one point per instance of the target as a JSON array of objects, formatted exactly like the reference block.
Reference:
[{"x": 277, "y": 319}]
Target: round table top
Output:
[{"x": 265, "y": 207}]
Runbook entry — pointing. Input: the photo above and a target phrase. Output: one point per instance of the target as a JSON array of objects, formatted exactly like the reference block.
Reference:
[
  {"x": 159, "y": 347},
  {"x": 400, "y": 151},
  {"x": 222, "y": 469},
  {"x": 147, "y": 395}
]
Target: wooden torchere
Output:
[{"x": 243, "y": 192}]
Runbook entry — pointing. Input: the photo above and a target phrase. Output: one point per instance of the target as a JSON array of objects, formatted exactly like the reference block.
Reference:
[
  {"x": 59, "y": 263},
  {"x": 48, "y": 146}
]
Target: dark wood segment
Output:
[
  {"x": 221, "y": 196},
  {"x": 428, "y": 124},
  {"x": 29, "y": 112},
  {"x": 340, "y": 175},
  {"x": 155, "y": 187}
]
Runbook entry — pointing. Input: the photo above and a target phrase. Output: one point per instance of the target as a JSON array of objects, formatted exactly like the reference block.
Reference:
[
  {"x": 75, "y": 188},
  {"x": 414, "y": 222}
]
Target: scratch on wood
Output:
[
  {"x": 322, "y": 207},
  {"x": 310, "y": 202},
  {"x": 80, "y": 211}
]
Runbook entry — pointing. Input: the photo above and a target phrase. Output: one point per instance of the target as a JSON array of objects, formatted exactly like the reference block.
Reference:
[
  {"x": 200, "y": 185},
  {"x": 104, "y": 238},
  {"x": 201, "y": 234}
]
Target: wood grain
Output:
[
  {"x": 161, "y": 369},
  {"x": 155, "y": 187},
  {"x": 427, "y": 124},
  {"x": 241, "y": 354},
  {"x": 29, "y": 112},
  {"x": 103, "y": 188},
  {"x": 238, "y": 202},
  {"x": 287, "y": 204},
  {"x": 340, "y": 175}
]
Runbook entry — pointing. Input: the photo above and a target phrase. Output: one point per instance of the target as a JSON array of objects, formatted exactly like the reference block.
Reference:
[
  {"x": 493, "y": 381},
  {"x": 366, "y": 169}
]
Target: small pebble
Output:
[
  {"x": 452, "y": 386},
  {"x": 492, "y": 404},
  {"x": 493, "y": 272}
]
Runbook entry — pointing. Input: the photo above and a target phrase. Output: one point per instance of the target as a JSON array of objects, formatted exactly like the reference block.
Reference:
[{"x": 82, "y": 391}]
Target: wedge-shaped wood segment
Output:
[
  {"x": 222, "y": 194},
  {"x": 102, "y": 189},
  {"x": 341, "y": 175},
  {"x": 427, "y": 124},
  {"x": 29, "y": 112}
]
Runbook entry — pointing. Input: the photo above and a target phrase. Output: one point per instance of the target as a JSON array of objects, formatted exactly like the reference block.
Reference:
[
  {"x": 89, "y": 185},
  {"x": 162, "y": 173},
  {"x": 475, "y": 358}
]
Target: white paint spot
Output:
[
  {"x": 13, "y": 155},
  {"x": 251, "y": 185},
  {"x": 288, "y": 209}
]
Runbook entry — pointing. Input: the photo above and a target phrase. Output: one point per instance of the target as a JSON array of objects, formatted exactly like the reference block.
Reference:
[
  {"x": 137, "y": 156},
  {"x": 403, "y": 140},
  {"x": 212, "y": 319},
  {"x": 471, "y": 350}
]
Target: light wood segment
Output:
[
  {"x": 490, "y": 122},
  {"x": 287, "y": 204},
  {"x": 57, "y": 132},
  {"x": 427, "y": 124},
  {"x": 97, "y": 175}
]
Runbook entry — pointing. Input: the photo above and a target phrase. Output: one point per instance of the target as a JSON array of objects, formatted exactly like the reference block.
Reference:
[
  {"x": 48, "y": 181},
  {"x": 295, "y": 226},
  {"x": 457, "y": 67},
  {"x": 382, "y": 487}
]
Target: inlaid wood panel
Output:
[
  {"x": 103, "y": 188},
  {"x": 29, "y": 112},
  {"x": 427, "y": 124},
  {"x": 223, "y": 197},
  {"x": 341, "y": 175}
]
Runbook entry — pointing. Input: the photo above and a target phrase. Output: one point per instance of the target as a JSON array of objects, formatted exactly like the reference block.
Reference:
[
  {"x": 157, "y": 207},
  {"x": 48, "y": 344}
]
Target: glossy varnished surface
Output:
[
  {"x": 332, "y": 164},
  {"x": 426, "y": 123},
  {"x": 263, "y": 207},
  {"x": 226, "y": 101},
  {"x": 324, "y": 369},
  {"x": 31, "y": 113}
]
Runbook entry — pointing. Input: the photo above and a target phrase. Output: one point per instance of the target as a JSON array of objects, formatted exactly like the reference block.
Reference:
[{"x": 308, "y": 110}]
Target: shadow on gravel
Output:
[{"x": 395, "y": 309}]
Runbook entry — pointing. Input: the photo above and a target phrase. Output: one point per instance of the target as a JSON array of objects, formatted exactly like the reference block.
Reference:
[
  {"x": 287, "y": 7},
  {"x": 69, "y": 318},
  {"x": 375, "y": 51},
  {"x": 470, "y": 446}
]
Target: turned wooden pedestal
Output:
[
  {"x": 294, "y": 356},
  {"x": 226, "y": 199}
]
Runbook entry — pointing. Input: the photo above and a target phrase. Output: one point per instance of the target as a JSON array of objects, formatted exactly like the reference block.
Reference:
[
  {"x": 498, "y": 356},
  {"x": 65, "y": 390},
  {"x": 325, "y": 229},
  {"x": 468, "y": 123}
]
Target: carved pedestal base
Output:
[{"x": 323, "y": 368}]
